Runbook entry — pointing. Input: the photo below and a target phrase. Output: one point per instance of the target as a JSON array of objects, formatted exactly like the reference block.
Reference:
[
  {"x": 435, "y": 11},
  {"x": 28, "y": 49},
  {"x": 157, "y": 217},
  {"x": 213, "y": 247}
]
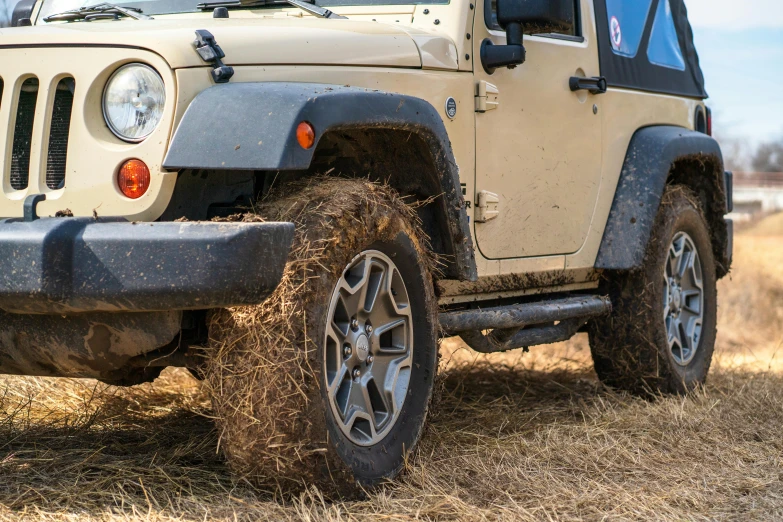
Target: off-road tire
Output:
[
  {"x": 268, "y": 373},
  {"x": 630, "y": 346}
]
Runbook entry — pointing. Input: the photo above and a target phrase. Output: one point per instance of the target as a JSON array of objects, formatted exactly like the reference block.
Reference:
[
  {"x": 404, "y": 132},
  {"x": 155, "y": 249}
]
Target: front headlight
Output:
[{"x": 133, "y": 101}]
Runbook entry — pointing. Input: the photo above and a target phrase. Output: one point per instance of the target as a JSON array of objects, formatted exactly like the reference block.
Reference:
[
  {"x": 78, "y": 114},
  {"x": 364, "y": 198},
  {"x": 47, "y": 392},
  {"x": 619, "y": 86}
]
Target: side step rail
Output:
[{"x": 523, "y": 325}]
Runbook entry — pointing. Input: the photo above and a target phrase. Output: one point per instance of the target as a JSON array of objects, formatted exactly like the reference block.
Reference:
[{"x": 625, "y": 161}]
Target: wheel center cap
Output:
[
  {"x": 362, "y": 347},
  {"x": 676, "y": 299}
]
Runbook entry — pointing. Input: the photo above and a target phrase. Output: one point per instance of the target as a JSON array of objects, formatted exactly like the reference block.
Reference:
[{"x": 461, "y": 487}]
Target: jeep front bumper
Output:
[{"x": 74, "y": 265}]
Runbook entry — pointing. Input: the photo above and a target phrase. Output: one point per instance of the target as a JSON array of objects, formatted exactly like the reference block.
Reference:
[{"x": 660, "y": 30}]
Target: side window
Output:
[
  {"x": 569, "y": 28},
  {"x": 626, "y": 24},
  {"x": 664, "y": 48}
]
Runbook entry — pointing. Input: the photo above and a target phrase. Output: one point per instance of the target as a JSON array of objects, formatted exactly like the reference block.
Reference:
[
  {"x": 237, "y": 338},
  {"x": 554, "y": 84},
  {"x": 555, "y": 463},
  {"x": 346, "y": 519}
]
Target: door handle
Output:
[{"x": 596, "y": 84}]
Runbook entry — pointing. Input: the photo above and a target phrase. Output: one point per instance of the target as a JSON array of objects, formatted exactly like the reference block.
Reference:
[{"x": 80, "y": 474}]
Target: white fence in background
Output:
[{"x": 756, "y": 193}]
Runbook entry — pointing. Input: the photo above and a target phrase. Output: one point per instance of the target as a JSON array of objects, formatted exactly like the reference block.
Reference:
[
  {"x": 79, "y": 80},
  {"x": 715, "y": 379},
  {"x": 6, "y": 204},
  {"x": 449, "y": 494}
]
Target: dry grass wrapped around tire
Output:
[{"x": 265, "y": 363}]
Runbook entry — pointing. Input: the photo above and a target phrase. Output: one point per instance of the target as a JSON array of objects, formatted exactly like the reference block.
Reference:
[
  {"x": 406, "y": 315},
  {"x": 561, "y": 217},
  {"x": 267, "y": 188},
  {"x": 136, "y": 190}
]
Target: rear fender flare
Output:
[{"x": 650, "y": 163}]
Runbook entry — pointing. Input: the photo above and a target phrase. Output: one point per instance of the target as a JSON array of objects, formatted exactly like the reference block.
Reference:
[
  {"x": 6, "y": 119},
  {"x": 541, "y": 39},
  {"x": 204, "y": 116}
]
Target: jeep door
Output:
[{"x": 539, "y": 150}]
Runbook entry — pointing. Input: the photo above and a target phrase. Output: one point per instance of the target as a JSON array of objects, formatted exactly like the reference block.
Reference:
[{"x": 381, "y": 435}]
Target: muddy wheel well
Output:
[
  {"x": 399, "y": 158},
  {"x": 705, "y": 178}
]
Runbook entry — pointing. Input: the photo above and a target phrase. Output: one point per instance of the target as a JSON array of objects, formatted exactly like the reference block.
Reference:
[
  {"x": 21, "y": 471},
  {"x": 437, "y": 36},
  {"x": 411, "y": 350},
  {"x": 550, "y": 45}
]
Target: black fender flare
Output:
[
  {"x": 649, "y": 163},
  {"x": 252, "y": 126}
]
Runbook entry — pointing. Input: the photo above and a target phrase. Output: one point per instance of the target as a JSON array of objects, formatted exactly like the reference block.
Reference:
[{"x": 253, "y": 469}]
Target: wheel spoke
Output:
[
  {"x": 386, "y": 368},
  {"x": 380, "y": 368},
  {"x": 675, "y": 256},
  {"x": 677, "y": 345},
  {"x": 674, "y": 333},
  {"x": 686, "y": 260},
  {"x": 385, "y": 313},
  {"x": 692, "y": 277},
  {"x": 360, "y": 417}
]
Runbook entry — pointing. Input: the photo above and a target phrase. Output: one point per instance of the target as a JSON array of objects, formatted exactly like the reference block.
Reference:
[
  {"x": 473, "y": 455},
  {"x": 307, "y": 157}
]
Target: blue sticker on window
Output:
[
  {"x": 664, "y": 48},
  {"x": 627, "y": 19}
]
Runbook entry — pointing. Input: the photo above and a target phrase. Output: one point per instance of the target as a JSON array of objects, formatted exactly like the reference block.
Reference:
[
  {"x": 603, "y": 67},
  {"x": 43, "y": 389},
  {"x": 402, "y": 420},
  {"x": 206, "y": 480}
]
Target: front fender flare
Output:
[{"x": 252, "y": 126}]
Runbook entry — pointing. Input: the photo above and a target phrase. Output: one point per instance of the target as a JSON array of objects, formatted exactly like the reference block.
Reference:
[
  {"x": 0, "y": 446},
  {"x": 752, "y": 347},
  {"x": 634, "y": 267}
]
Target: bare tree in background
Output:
[{"x": 769, "y": 157}]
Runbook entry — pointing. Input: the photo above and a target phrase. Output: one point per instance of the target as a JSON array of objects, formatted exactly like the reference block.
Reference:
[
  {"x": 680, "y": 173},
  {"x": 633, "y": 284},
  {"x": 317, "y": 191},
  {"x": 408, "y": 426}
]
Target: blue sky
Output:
[{"x": 740, "y": 45}]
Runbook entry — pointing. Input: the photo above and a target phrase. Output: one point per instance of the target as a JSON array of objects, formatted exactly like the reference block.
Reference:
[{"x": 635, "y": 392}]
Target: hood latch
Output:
[{"x": 211, "y": 52}]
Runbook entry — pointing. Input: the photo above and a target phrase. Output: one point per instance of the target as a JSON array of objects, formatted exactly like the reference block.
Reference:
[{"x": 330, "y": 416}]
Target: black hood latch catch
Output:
[{"x": 211, "y": 52}]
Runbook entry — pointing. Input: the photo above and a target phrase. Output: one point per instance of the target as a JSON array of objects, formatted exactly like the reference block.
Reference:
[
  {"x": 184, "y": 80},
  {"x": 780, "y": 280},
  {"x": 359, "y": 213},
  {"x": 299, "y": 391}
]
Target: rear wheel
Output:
[
  {"x": 661, "y": 334},
  {"x": 329, "y": 381}
]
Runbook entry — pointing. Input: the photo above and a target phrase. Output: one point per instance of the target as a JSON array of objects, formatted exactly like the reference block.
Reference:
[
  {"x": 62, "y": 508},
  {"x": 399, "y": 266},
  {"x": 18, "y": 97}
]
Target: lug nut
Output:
[
  {"x": 357, "y": 373},
  {"x": 369, "y": 359},
  {"x": 347, "y": 350},
  {"x": 354, "y": 324},
  {"x": 368, "y": 328}
]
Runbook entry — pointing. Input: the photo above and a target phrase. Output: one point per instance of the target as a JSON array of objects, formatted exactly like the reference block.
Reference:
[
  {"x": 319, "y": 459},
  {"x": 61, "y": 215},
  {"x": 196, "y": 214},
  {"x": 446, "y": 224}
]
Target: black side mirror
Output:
[
  {"x": 23, "y": 13},
  {"x": 513, "y": 15}
]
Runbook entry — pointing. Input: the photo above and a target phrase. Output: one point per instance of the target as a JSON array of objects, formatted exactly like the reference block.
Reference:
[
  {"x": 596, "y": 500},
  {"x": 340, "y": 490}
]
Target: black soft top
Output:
[{"x": 648, "y": 45}]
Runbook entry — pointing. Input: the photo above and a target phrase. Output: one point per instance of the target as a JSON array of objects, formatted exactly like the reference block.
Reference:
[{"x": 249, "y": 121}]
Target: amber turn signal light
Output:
[
  {"x": 305, "y": 135},
  {"x": 133, "y": 178}
]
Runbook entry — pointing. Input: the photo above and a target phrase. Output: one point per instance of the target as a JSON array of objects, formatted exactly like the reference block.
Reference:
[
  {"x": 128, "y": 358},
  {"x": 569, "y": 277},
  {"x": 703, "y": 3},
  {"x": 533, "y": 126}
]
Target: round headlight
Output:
[{"x": 133, "y": 101}]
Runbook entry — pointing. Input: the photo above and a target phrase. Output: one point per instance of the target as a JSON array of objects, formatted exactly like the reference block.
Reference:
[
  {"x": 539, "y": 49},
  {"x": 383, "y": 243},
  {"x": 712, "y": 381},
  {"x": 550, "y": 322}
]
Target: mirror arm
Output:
[{"x": 509, "y": 55}]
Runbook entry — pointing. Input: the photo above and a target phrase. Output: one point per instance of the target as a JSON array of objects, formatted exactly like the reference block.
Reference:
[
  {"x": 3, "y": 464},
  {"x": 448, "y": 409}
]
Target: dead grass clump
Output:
[{"x": 264, "y": 361}]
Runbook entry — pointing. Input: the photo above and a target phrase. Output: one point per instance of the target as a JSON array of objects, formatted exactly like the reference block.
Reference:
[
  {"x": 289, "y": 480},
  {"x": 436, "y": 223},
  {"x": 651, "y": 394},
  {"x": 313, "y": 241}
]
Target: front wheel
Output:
[
  {"x": 329, "y": 380},
  {"x": 379, "y": 359},
  {"x": 661, "y": 334}
]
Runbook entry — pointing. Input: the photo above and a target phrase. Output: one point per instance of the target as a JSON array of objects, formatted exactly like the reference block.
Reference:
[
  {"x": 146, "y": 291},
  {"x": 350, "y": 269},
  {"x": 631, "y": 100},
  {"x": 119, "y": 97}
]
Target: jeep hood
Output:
[{"x": 246, "y": 41}]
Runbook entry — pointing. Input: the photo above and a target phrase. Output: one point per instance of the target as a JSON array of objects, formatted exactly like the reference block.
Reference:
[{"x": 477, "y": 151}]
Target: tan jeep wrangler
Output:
[{"x": 298, "y": 200}]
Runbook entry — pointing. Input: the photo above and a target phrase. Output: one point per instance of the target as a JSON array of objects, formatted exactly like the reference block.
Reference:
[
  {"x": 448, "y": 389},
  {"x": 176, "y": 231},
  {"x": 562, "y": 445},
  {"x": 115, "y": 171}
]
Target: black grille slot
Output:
[
  {"x": 23, "y": 134},
  {"x": 58, "y": 134}
]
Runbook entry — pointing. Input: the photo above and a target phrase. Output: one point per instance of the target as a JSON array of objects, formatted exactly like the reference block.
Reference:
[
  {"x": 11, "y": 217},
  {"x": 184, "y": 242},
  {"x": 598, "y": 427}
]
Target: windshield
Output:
[{"x": 156, "y": 7}]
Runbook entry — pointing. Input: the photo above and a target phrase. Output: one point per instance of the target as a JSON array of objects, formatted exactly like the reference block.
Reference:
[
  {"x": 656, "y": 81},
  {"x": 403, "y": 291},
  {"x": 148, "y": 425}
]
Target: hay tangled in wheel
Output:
[{"x": 262, "y": 358}]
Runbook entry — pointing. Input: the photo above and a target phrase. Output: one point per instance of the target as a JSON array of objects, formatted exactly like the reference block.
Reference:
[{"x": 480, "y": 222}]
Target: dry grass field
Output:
[{"x": 514, "y": 437}]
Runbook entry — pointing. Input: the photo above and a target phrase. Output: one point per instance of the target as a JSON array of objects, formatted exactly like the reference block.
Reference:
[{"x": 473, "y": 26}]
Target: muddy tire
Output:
[
  {"x": 660, "y": 336},
  {"x": 329, "y": 381}
]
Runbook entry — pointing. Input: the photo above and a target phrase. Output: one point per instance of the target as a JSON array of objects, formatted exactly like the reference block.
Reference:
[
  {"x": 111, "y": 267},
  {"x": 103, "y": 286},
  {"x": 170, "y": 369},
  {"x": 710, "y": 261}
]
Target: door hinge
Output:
[
  {"x": 487, "y": 207},
  {"x": 487, "y": 96},
  {"x": 210, "y": 52}
]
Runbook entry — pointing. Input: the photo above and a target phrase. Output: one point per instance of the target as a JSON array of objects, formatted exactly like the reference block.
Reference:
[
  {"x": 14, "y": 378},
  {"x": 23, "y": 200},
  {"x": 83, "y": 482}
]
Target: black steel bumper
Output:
[{"x": 72, "y": 265}]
